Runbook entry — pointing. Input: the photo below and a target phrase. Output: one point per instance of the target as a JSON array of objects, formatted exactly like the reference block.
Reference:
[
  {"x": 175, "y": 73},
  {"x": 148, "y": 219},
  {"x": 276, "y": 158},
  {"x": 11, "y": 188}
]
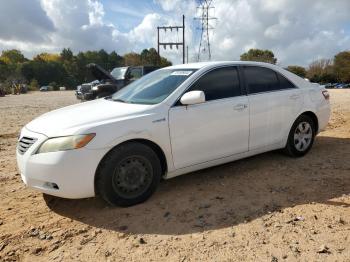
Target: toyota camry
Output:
[{"x": 170, "y": 122}]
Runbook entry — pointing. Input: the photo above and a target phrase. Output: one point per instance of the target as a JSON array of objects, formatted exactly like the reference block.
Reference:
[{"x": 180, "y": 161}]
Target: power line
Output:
[
  {"x": 176, "y": 43},
  {"x": 204, "y": 18}
]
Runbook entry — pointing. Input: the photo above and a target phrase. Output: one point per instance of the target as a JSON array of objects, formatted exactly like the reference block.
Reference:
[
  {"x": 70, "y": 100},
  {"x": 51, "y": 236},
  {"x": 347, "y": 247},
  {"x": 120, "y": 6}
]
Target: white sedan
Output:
[{"x": 173, "y": 121}]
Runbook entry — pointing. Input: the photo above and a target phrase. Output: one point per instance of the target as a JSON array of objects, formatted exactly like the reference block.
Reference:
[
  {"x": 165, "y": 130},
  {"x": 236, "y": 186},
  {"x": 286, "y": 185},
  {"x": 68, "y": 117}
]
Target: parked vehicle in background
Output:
[
  {"x": 329, "y": 85},
  {"x": 109, "y": 83},
  {"x": 46, "y": 88},
  {"x": 173, "y": 121},
  {"x": 126, "y": 75},
  {"x": 84, "y": 88},
  {"x": 78, "y": 93},
  {"x": 337, "y": 85},
  {"x": 340, "y": 85},
  {"x": 62, "y": 88}
]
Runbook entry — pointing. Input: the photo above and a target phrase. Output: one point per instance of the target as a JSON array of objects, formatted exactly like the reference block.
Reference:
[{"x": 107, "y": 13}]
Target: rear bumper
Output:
[
  {"x": 323, "y": 116},
  {"x": 67, "y": 174}
]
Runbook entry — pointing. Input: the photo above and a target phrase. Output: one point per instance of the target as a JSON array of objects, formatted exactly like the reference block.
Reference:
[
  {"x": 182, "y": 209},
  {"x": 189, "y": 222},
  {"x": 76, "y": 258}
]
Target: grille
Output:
[
  {"x": 85, "y": 88},
  {"x": 25, "y": 143}
]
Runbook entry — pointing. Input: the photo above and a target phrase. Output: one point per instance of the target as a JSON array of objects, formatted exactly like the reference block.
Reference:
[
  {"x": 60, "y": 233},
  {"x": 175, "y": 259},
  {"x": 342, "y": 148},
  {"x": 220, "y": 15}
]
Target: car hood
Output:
[
  {"x": 84, "y": 116},
  {"x": 99, "y": 73}
]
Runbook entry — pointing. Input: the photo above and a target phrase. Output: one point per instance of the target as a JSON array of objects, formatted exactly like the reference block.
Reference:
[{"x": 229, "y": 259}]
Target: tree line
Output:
[
  {"x": 333, "y": 70},
  {"x": 69, "y": 70},
  {"x": 65, "y": 69}
]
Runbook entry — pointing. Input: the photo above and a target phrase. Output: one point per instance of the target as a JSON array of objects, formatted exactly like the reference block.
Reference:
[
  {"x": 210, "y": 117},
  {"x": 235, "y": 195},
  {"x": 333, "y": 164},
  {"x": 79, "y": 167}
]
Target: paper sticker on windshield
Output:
[{"x": 181, "y": 73}]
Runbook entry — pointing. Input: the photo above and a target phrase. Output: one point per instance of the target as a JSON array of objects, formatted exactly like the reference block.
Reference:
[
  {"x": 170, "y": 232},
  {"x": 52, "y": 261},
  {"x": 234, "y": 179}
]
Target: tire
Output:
[
  {"x": 301, "y": 137},
  {"x": 128, "y": 175}
]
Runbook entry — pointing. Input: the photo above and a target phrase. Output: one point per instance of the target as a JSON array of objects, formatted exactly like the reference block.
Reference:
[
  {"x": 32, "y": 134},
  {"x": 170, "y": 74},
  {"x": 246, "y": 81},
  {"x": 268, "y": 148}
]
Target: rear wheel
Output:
[
  {"x": 129, "y": 174},
  {"x": 301, "y": 136}
]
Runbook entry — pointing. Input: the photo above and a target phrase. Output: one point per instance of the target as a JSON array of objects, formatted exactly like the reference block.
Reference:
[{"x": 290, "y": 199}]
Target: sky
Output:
[{"x": 297, "y": 31}]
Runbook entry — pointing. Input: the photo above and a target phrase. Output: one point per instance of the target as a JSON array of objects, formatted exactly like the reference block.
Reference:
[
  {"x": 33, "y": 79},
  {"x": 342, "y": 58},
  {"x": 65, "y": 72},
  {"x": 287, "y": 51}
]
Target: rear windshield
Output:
[{"x": 154, "y": 87}]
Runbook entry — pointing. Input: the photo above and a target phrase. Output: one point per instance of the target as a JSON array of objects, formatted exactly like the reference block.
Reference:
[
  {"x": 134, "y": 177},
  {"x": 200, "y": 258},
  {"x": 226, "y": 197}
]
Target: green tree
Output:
[
  {"x": 151, "y": 57},
  {"x": 12, "y": 56},
  {"x": 70, "y": 65},
  {"x": 342, "y": 66},
  {"x": 92, "y": 57},
  {"x": 66, "y": 68},
  {"x": 4, "y": 70},
  {"x": 66, "y": 55},
  {"x": 115, "y": 60},
  {"x": 81, "y": 67},
  {"x": 164, "y": 62},
  {"x": 298, "y": 70},
  {"x": 259, "y": 55},
  {"x": 45, "y": 72},
  {"x": 132, "y": 59},
  {"x": 104, "y": 59}
]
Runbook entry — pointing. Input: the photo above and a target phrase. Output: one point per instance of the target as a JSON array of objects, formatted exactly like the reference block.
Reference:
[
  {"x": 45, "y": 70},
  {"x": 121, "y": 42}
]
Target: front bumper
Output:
[
  {"x": 89, "y": 96},
  {"x": 67, "y": 174},
  {"x": 79, "y": 95}
]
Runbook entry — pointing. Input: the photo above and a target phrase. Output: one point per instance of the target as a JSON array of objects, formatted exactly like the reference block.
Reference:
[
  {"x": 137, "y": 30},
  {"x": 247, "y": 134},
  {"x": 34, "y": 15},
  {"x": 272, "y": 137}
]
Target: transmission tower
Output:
[{"x": 204, "y": 17}]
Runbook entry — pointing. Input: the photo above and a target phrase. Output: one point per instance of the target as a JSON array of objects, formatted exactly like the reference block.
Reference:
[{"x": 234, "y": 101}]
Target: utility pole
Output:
[
  {"x": 187, "y": 54},
  {"x": 204, "y": 18},
  {"x": 171, "y": 44}
]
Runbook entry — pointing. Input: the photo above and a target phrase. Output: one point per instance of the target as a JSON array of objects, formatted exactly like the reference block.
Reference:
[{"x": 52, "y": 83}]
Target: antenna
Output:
[{"x": 204, "y": 18}]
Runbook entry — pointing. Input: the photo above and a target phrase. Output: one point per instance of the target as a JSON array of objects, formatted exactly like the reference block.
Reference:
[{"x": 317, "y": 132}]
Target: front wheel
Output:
[
  {"x": 129, "y": 174},
  {"x": 301, "y": 136}
]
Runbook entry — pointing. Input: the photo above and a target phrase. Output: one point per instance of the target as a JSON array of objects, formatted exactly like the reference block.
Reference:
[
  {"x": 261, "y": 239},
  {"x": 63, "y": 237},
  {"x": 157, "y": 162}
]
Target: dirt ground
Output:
[{"x": 266, "y": 208}]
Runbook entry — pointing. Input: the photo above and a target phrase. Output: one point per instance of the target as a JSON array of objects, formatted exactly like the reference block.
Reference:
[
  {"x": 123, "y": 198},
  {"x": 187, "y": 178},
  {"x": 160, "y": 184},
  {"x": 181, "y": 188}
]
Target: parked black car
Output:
[
  {"x": 85, "y": 88},
  {"x": 110, "y": 83}
]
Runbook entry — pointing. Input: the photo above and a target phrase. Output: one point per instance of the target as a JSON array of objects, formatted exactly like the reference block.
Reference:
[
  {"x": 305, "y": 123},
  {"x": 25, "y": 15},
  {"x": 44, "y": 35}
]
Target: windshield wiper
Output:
[{"x": 119, "y": 100}]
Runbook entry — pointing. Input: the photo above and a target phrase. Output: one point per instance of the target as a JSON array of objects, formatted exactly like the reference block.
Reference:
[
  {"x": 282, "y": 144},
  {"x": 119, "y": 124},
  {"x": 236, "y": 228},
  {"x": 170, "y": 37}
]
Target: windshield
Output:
[
  {"x": 119, "y": 72},
  {"x": 154, "y": 87}
]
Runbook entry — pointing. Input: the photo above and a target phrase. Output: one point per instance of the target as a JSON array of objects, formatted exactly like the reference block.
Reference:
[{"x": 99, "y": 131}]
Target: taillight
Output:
[{"x": 325, "y": 94}]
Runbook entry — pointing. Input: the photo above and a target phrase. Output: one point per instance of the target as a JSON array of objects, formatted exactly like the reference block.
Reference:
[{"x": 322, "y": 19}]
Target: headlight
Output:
[
  {"x": 65, "y": 143},
  {"x": 95, "y": 88}
]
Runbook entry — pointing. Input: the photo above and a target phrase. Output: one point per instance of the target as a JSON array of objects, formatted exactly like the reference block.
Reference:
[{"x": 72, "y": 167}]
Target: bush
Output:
[
  {"x": 6, "y": 87},
  {"x": 34, "y": 85}
]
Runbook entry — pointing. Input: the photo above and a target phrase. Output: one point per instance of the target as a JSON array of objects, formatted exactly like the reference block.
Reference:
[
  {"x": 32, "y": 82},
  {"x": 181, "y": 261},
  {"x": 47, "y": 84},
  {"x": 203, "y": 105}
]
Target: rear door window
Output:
[
  {"x": 284, "y": 82},
  {"x": 260, "y": 79}
]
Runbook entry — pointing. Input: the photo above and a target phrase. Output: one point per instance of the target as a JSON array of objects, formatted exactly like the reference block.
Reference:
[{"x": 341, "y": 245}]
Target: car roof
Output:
[
  {"x": 298, "y": 81},
  {"x": 200, "y": 65}
]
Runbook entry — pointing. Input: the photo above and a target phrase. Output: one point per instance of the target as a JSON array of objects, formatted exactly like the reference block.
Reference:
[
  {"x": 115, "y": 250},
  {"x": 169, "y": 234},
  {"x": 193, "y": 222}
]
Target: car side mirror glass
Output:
[{"x": 193, "y": 97}]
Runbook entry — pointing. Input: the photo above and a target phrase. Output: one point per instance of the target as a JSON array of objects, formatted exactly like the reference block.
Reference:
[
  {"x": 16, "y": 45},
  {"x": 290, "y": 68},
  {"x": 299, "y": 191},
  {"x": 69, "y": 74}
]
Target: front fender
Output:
[{"x": 142, "y": 127}]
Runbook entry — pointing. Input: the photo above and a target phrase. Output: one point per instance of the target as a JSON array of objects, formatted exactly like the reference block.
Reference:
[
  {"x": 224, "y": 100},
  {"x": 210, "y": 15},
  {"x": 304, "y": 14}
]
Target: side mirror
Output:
[{"x": 193, "y": 97}]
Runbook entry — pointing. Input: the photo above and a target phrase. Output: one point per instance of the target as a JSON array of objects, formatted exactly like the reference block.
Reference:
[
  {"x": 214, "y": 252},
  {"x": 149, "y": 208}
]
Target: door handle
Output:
[
  {"x": 295, "y": 96},
  {"x": 240, "y": 107}
]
